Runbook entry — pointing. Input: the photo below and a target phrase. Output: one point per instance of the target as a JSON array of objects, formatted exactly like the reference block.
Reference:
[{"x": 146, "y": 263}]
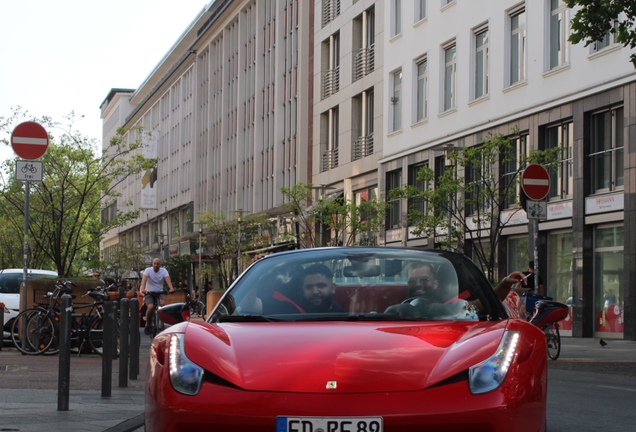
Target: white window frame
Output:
[
  {"x": 520, "y": 57},
  {"x": 396, "y": 14},
  {"x": 558, "y": 51},
  {"x": 396, "y": 100},
  {"x": 449, "y": 77},
  {"x": 421, "y": 89},
  {"x": 480, "y": 83},
  {"x": 420, "y": 10}
]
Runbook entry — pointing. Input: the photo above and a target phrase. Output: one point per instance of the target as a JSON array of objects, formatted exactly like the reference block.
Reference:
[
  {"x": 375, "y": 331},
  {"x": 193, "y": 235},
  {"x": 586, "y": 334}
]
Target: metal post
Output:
[
  {"x": 107, "y": 355},
  {"x": 535, "y": 229},
  {"x": 1, "y": 323},
  {"x": 238, "y": 242},
  {"x": 200, "y": 273},
  {"x": 64, "y": 367},
  {"x": 134, "y": 338},
  {"x": 123, "y": 342},
  {"x": 23, "y": 298}
]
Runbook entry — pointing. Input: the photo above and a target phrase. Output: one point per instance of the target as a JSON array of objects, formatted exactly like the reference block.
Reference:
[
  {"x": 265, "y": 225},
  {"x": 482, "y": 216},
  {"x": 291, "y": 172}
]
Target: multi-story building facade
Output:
[
  {"x": 456, "y": 70},
  {"x": 227, "y": 114},
  {"x": 354, "y": 96}
]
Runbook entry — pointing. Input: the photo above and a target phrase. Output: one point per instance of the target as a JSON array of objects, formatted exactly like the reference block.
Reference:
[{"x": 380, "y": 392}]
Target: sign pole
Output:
[{"x": 23, "y": 298}]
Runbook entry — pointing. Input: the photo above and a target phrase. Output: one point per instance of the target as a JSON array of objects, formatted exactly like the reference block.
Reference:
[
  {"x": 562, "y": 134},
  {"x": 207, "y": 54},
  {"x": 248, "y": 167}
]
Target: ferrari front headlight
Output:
[
  {"x": 491, "y": 373},
  {"x": 185, "y": 376}
]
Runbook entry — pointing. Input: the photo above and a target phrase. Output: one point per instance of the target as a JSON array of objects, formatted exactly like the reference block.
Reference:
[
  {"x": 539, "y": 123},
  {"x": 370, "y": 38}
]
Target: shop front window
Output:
[
  {"x": 517, "y": 253},
  {"x": 608, "y": 286}
]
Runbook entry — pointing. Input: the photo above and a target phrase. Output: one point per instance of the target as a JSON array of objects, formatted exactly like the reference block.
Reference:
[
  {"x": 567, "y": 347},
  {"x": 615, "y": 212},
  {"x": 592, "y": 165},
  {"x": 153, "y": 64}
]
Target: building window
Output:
[
  {"x": 559, "y": 272},
  {"x": 481, "y": 63},
  {"x": 558, "y": 34},
  {"x": 475, "y": 199},
  {"x": 361, "y": 198},
  {"x": 561, "y": 178},
  {"x": 518, "y": 46},
  {"x": 422, "y": 87},
  {"x": 417, "y": 206},
  {"x": 330, "y": 10},
  {"x": 397, "y": 17},
  {"x": 607, "y": 150},
  {"x": 450, "y": 72},
  {"x": 608, "y": 39},
  {"x": 393, "y": 181},
  {"x": 329, "y": 143},
  {"x": 362, "y": 116},
  {"x": 364, "y": 44},
  {"x": 331, "y": 62},
  {"x": 420, "y": 11},
  {"x": 511, "y": 168},
  {"x": 609, "y": 291},
  {"x": 396, "y": 102}
]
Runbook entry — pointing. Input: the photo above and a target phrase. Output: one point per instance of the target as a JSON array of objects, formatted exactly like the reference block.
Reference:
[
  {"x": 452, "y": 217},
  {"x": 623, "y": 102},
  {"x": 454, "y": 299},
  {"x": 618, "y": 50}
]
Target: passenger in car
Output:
[{"x": 315, "y": 296}]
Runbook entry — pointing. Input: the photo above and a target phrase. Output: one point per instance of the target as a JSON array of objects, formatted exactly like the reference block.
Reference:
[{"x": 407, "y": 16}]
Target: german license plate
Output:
[{"x": 329, "y": 424}]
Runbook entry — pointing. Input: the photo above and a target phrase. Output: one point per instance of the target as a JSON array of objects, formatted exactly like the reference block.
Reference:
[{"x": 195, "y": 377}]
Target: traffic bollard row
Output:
[
  {"x": 123, "y": 342},
  {"x": 64, "y": 366}
]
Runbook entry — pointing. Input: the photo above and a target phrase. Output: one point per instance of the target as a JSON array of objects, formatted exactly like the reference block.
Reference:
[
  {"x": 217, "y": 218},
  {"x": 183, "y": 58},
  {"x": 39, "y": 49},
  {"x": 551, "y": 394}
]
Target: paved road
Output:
[{"x": 29, "y": 399}]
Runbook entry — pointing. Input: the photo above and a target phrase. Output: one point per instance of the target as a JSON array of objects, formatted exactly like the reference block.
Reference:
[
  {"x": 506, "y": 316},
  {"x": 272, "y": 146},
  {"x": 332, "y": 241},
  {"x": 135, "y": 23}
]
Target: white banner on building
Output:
[
  {"x": 605, "y": 203},
  {"x": 149, "y": 179}
]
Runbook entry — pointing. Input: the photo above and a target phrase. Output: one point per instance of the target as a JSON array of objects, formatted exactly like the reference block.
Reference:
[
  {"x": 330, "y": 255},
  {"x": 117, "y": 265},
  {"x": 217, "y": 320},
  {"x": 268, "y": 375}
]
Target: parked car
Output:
[
  {"x": 10, "y": 281},
  {"x": 385, "y": 339}
]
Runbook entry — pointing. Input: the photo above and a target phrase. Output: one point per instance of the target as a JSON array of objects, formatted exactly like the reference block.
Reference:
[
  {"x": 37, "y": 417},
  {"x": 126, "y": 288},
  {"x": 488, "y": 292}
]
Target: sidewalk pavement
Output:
[{"x": 28, "y": 386}]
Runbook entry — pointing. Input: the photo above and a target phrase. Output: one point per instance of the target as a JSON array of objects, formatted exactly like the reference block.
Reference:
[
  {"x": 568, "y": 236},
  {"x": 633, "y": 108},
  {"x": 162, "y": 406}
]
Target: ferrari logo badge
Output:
[{"x": 331, "y": 385}]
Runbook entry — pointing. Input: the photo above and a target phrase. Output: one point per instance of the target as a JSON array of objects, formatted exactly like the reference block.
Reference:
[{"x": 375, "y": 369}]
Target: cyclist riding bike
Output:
[{"x": 152, "y": 284}]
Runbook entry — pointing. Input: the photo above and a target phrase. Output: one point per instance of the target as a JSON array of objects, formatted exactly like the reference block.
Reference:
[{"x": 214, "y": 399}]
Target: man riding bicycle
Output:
[{"x": 152, "y": 282}]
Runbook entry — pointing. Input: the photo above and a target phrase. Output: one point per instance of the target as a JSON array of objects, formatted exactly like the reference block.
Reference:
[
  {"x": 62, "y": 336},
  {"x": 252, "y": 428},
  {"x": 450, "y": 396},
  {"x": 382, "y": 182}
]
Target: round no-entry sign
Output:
[
  {"x": 29, "y": 140},
  {"x": 535, "y": 182}
]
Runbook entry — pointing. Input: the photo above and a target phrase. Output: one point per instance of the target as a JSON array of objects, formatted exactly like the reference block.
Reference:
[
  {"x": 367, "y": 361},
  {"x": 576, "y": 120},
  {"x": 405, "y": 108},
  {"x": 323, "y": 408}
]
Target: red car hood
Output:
[{"x": 352, "y": 357}]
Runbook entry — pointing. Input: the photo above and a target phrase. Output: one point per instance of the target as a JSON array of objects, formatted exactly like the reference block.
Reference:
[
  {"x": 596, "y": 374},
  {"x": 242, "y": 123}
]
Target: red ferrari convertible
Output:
[{"x": 361, "y": 339}]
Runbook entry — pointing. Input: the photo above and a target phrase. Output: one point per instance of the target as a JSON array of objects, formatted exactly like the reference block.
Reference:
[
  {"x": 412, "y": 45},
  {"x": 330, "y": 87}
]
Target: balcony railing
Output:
[
  {"x": 362, "y": 147},
  {"x": 330, "y": 82},
  {"x": 329, "y": 159},
  {"x": 364, "y": 62},
  {"x": 330, "y": 10}
]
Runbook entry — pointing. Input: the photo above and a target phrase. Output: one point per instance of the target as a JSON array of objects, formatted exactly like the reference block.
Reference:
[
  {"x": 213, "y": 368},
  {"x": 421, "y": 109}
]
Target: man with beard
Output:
[
  {"x": 318, "y": 290},
  {"x": 427, "y": 300},
  {"x": 316, "y": 294}
]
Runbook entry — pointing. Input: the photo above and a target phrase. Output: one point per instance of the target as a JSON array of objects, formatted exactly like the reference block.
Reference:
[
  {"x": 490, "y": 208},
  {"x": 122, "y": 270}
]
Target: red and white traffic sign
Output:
[
  {"x": 29, "y": 140},
  {"x": 535, "y": 182}
]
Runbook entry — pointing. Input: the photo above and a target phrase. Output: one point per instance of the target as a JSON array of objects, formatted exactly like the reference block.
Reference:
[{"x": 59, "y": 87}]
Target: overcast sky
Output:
[{"x": 60, "y": 56}]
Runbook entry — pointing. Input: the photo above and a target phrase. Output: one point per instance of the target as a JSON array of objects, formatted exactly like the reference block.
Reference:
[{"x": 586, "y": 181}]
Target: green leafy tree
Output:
[
  {"x": 79, "y": 180},
  {"x": 178, "y": 267},
  {"x": 228, "y": 239},
  {"x": 298, "y": 200},
  {"x": 345, "y": 222},
  {"x": 594, "y": 19},
  {"x": 351, "y": 223},
  {"x": 464, "y": 204}
]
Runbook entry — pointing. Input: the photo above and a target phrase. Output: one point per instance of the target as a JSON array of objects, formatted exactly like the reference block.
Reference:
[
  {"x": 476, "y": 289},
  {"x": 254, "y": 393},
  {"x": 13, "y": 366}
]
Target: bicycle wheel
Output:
[
  {"x": 41, "y": 333},
  {"x": 553, "y": 340},
  {"x": 16, "y": 332}
]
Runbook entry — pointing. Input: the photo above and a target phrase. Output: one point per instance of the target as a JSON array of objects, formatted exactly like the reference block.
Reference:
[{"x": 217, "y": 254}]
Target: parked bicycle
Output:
[{"x": 42, "y": 324}]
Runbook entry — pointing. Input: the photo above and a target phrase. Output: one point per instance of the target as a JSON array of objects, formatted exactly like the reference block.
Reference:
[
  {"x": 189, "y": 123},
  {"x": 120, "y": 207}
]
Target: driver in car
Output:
[{"x": 428, "y": 300}]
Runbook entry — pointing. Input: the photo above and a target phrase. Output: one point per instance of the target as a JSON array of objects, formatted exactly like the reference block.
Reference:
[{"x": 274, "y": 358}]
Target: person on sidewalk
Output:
[
  {"x": 152, "y": 280},
  {"x": 528, "y": 282}
]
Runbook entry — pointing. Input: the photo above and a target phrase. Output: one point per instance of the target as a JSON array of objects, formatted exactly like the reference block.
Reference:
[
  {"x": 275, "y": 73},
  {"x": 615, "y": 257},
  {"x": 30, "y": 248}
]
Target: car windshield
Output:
[{"x": 374, "y": 283}]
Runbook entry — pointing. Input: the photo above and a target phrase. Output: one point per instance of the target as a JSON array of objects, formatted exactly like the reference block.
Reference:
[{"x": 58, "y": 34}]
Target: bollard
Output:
[
  {"x": 134, "y": 338},
  {"x": 110, "y": 327},
  {"x": 1, "y": 324},
  {"x": 123, "y": 342},
  {"x": 64, "y": 367}
]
